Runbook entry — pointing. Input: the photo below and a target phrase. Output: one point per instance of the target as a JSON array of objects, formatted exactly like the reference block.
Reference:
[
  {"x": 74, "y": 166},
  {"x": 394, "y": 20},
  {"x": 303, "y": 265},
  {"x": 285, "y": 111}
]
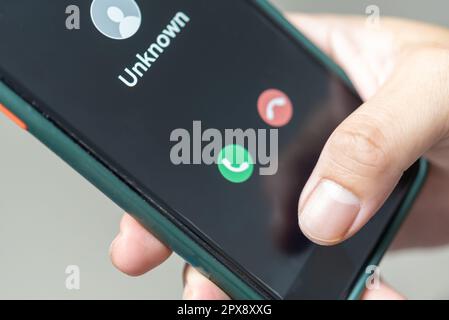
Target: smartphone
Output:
[{"x": 135, "y": 95}]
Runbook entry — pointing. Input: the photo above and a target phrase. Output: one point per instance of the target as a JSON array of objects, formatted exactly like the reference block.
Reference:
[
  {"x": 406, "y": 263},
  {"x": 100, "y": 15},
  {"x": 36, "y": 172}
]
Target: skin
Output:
[{"x": 401, "y": 70}]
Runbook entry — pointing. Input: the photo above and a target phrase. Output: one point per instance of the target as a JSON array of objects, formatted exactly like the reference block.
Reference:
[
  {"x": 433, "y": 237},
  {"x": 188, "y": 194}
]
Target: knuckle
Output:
[{"x": 359, "y": 149}]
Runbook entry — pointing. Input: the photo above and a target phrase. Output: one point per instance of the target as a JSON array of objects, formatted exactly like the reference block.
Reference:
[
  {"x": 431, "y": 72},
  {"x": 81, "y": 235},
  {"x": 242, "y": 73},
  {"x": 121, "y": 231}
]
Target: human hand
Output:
[{"x": 401, "y": 70}]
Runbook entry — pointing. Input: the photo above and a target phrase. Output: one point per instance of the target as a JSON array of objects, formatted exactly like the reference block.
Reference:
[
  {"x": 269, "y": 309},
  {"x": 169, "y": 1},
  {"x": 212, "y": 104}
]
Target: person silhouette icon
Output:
[{"x": 128, "y": 26}]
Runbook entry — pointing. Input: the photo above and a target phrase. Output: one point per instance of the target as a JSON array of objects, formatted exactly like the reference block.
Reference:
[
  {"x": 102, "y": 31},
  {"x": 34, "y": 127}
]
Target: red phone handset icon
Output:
[{"x": 275, "y": 108}]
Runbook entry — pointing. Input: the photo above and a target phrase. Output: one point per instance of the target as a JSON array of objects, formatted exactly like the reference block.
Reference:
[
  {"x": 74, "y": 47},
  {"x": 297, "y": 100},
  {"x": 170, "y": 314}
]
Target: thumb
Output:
[{"x": 367, "y": 154}]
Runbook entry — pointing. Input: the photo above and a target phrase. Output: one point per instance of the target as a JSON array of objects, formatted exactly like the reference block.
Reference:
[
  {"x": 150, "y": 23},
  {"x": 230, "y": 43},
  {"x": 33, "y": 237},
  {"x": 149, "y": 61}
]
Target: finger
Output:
[
  {"x": 136, "y": 251},
  {"x": 366, "y": 51},
  {"x": 382, "y": 293},
  {"x": 367, "y": 154},
  {"x": 365, "y": 54},
  {"x": 198, "y": 287}
]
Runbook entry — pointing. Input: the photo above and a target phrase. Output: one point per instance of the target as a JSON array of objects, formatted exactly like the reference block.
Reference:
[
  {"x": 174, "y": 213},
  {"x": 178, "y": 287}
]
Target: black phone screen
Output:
[{"x": 145, "y": 86}]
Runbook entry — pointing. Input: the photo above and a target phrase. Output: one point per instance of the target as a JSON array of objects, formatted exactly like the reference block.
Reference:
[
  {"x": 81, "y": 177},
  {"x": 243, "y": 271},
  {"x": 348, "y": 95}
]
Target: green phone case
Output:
[{"x": 165, "y": 229}]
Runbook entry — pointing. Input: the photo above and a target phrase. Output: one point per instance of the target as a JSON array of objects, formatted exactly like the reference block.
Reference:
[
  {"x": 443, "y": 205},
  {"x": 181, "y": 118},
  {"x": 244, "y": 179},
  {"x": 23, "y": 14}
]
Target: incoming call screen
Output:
[{"x": 146, "y": 86}]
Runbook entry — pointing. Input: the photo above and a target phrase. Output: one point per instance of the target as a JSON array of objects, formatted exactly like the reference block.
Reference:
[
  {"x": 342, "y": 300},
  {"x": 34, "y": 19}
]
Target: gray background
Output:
[{"x": 51, "y": 217}]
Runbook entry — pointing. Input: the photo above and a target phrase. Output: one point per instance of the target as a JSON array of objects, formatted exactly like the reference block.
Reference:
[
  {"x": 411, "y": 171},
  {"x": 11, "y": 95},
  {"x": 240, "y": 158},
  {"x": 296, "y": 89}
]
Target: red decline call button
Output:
[{"x": 275, "y": 108}]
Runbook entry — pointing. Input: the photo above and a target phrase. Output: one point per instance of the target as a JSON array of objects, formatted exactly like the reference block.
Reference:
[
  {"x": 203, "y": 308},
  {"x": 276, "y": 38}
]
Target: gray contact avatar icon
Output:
[{"x": 116, "y": 19}]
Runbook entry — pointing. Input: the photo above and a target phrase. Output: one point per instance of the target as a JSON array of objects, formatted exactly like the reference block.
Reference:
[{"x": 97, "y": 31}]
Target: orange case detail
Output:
[{"x": 13, "y": 117}]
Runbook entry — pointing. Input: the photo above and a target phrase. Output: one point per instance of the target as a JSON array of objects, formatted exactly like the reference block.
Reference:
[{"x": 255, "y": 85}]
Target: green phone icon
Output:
[{"x": 235, "y": 163}]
